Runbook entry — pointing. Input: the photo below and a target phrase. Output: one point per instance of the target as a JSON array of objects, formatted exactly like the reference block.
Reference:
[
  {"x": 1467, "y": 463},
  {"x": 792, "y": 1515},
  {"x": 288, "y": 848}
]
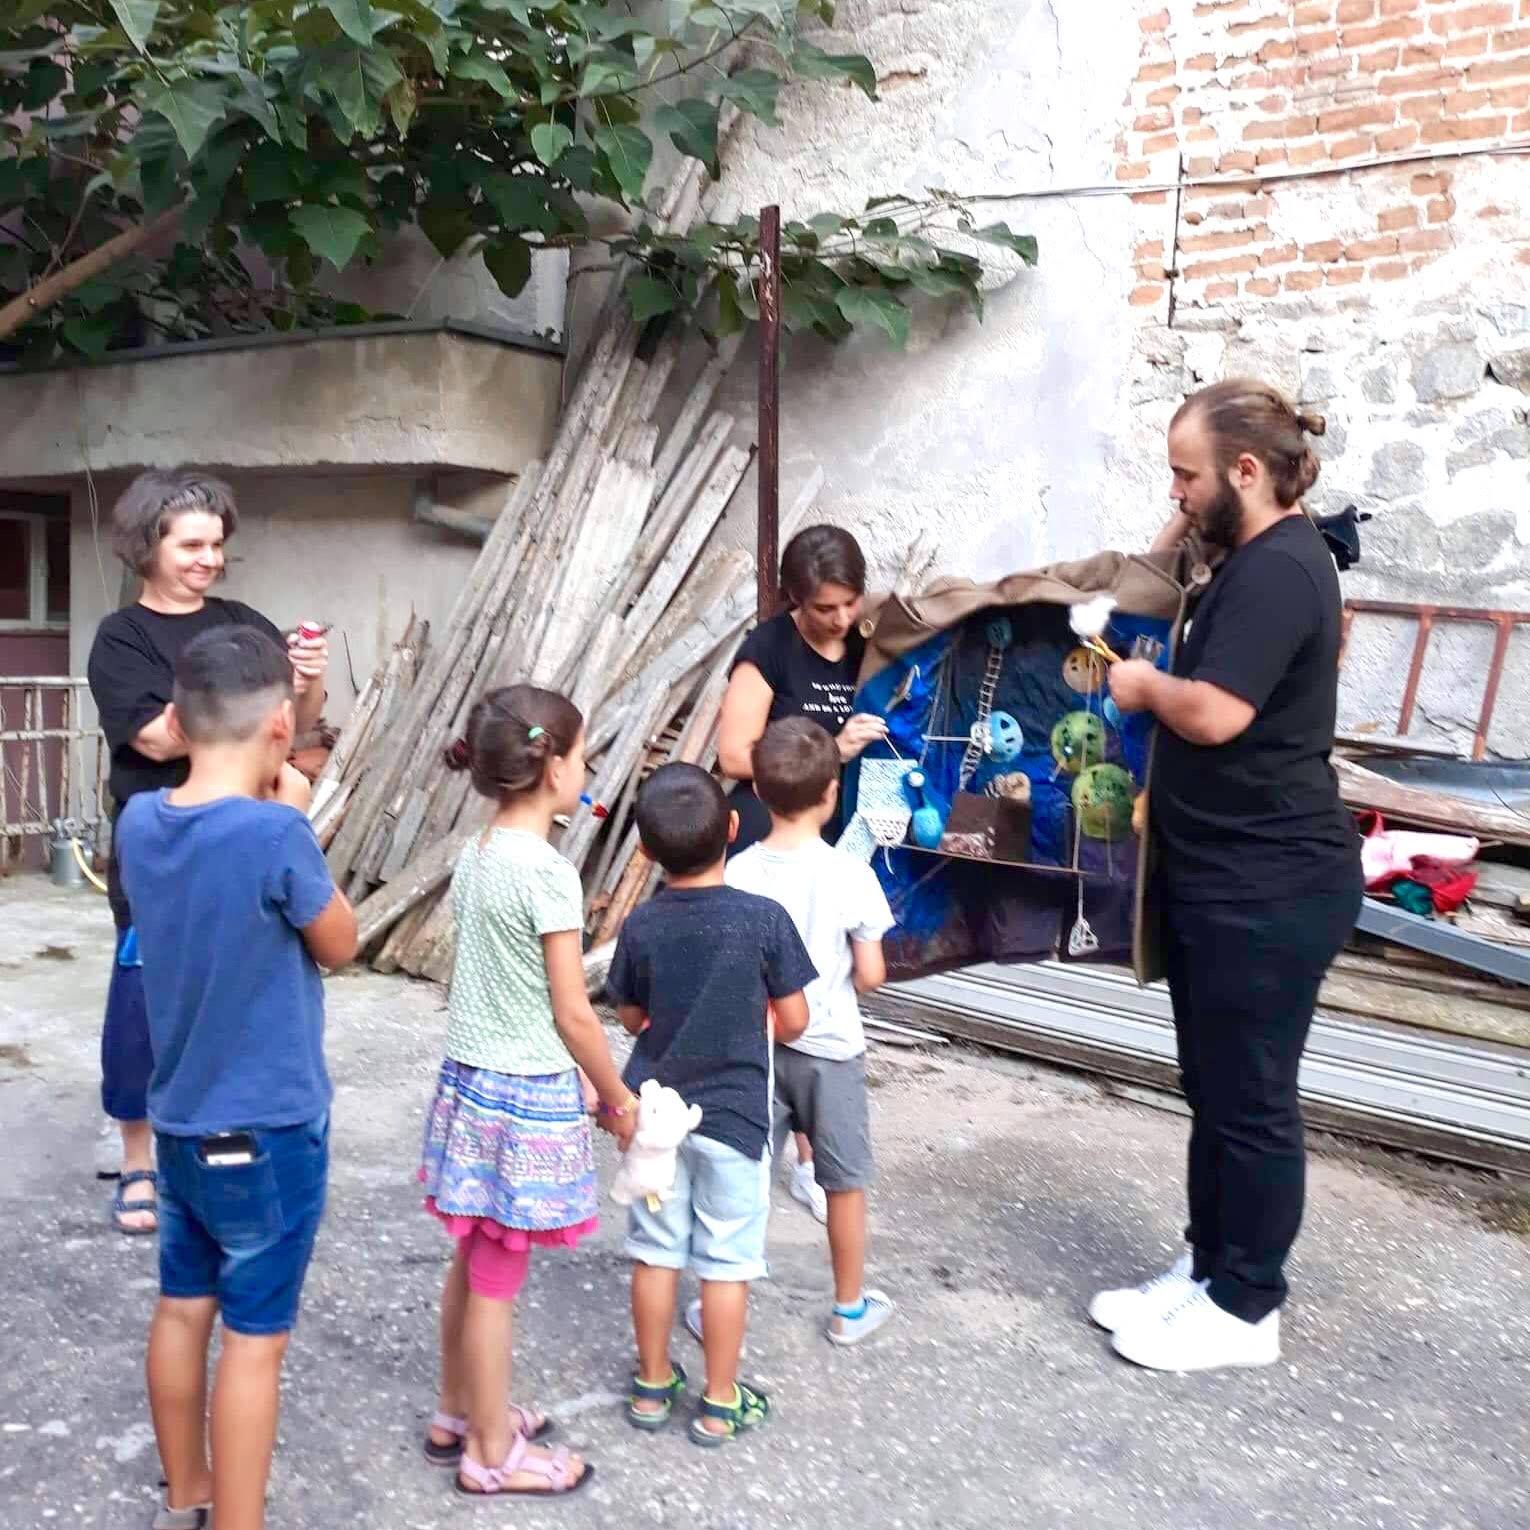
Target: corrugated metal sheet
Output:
[{"x": 1462, "y": 1100}]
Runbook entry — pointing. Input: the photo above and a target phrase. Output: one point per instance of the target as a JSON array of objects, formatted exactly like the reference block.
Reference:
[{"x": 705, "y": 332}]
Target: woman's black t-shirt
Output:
[
  {"x": 132, "y": 675},
  {"x": 803, "y": 684}
]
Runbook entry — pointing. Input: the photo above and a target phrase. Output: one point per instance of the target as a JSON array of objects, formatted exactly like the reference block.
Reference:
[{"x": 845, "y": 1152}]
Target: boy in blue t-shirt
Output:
[
  {"x": 694, "y": 975},
  {"x": 234, "y": 906}
]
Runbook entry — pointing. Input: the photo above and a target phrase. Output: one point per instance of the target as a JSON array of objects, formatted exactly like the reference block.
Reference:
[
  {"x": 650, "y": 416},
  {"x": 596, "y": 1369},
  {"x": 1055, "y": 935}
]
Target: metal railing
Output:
[{"x": 52, "y": 768}]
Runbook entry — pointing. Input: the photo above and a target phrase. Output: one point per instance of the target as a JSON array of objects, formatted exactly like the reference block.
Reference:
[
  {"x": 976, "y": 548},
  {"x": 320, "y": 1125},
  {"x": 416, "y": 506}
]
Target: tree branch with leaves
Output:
[{"x": 148, "y": 150}]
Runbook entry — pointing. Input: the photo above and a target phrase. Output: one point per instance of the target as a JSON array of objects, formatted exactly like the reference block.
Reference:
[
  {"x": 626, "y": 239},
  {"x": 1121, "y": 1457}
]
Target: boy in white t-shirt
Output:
[{"x": 841, "y": 913}]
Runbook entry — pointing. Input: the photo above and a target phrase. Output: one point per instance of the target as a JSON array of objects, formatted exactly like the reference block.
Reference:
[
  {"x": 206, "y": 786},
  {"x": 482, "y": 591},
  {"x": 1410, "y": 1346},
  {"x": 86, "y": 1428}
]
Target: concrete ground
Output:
[{"x": 1007, "y": 1195}]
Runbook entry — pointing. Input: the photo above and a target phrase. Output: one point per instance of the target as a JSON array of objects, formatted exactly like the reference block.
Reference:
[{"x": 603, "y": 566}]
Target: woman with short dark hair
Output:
[
  {"x": 168, "y": 528},
  {"x": 803, "y": 663}
]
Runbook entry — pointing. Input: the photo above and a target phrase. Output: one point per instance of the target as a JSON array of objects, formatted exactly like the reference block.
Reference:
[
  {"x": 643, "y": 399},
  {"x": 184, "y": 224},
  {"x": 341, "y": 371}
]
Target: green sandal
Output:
[
  {"x": 749, "y": 1411},
  {"x": 665, "y": 1392}
]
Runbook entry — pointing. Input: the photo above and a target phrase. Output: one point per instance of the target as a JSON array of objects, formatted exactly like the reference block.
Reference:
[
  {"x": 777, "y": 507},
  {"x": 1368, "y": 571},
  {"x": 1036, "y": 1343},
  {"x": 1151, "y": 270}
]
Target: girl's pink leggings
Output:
[{"x": 492, "y": 1269}]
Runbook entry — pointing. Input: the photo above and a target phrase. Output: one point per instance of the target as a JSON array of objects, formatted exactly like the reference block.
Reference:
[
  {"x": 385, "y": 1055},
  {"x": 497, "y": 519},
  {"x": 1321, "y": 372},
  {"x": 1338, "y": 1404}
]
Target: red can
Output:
[{"x": 311, "y": 632}]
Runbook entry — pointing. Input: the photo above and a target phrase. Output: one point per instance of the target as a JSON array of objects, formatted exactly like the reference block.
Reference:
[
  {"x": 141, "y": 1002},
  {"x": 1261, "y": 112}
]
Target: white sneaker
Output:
[
  {"x": 694, "y": 1329},
  {"x": 1115, "y": 1309},
  {"x": 804, "y": 1188},
  {"x": 108, "y": 1151},
  {"x": 846, "y": 1331},
  {"x": 1197, "y": 1335}
]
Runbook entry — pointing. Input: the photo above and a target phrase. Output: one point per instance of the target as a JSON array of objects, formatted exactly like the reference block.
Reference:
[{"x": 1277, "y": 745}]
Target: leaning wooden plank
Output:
[
  {"x": 416, "y": 805},
  {"x": 429, "y": 870},
  {"x": 399, "y": 937},
  {"x": 588, "y": 674},
  {"x": 670, "y": 509},
  {"x": 688, "y": 422},
  {"x": 595, "y": 561},
  {"x": 326, "y": 822},
  {"x": 475, "y": 655},
  {"x": 1362, "y": 789},
  {"x": 382, "y": 784},
  {"x": 619, "y": 762},
  {"x": 667, "y": 578}
]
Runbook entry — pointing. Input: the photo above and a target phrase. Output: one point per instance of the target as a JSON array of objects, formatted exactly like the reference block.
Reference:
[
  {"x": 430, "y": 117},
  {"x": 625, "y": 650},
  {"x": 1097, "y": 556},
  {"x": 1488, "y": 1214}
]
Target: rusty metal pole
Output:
[{"x": 769, "y": 466}]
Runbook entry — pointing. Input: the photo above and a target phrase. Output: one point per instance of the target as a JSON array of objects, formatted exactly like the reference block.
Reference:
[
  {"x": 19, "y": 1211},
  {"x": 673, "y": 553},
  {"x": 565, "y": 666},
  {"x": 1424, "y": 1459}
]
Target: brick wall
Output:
[{"x": 1232, "y": 86}]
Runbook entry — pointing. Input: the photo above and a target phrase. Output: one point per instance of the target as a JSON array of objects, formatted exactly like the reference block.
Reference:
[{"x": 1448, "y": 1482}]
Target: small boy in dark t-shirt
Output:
[
  {"x": 234, "y": 908},
  {"x": 695, "y": 975}
]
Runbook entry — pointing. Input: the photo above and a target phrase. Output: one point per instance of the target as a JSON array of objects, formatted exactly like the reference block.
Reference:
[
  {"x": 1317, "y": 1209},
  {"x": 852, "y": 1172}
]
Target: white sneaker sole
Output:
[
  {"x": 1146, "y": 1360},
  {"x": 886, "y": 1310}
]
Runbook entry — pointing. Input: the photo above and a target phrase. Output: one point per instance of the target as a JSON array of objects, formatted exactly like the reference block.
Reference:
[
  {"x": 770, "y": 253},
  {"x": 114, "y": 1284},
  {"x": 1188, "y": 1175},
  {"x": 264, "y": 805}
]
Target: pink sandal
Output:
[
  {"x": 489, "y": 1481},
  {"x": 450, "y": 1455}
]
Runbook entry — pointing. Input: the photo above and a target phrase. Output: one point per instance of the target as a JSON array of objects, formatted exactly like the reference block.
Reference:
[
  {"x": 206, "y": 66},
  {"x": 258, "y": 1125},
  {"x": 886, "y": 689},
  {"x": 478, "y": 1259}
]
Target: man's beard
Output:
[{"x": 1221, "y": 523}]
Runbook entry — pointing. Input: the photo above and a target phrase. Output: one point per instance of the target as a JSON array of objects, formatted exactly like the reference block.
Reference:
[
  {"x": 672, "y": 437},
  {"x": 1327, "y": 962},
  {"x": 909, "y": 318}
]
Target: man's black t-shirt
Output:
[
  {"x": 803, "y": 684},
  {"x": 132, "y": 674},
  {"x": 1260, "y": 816},
  {"x": 701, "y": 962}
]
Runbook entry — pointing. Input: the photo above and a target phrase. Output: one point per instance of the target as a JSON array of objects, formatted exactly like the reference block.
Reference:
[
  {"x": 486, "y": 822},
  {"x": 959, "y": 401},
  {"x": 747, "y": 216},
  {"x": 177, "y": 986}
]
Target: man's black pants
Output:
[{"x": 1244, "y": 978}]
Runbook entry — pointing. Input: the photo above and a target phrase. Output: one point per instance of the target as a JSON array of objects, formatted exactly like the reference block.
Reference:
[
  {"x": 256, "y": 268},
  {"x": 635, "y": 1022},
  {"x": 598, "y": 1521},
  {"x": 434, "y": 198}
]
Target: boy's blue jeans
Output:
[{"x": 243, "y": 1233}]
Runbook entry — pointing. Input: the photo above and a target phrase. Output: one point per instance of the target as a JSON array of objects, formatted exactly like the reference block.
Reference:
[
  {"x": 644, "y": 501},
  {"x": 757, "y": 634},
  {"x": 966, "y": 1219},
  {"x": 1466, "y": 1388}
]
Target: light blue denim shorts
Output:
[{"x": 714, "y": 1221}]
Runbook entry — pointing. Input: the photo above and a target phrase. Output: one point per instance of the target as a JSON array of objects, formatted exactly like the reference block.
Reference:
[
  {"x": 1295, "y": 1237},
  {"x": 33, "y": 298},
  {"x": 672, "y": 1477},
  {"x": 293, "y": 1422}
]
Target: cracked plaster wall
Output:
[{"x": 1039, "y": 433}]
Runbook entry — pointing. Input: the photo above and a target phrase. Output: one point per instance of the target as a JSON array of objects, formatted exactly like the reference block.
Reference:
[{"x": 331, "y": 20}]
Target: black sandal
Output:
[
  {"x": 664, "y": 1392},
  {"x": 122, "y": 1207},
  {"x": 749, "y": 1411}
]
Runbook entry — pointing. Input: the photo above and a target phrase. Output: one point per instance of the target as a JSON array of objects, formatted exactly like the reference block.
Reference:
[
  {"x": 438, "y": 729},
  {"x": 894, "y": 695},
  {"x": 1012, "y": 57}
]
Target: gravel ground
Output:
[{"x": 1007, "y": 1195}]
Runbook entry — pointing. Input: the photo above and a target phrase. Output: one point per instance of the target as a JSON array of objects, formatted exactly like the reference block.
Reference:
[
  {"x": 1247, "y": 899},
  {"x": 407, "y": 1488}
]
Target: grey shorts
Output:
[{"x": 825, "y": 1099}]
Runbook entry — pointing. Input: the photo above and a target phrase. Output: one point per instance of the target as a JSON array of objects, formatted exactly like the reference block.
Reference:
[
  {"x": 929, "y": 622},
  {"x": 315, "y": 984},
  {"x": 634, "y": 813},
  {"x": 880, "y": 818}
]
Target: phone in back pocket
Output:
[{"x": 227, "y": 1150}]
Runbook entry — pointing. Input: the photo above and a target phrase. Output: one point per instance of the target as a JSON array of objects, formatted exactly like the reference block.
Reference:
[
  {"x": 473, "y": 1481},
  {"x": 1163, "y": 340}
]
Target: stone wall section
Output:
[{"x": 1394, "y": 300}]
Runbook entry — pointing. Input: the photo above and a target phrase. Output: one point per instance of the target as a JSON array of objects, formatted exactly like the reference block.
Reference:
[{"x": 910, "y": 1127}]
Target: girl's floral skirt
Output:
[{"x": 510, "y": 1154}]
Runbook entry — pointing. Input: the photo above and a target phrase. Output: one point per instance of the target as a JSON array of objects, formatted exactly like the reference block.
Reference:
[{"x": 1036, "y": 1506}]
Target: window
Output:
[{"x": 34, "y": 570}]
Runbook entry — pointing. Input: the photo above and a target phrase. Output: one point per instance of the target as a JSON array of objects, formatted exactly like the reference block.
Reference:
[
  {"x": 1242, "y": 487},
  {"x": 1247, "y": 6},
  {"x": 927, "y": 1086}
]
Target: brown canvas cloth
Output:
[{"x": 1142, "y": 585}]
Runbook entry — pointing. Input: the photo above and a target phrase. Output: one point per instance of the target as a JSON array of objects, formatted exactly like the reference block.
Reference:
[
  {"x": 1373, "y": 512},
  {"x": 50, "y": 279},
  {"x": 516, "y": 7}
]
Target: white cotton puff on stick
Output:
[{"x": 1089, "y": 618}]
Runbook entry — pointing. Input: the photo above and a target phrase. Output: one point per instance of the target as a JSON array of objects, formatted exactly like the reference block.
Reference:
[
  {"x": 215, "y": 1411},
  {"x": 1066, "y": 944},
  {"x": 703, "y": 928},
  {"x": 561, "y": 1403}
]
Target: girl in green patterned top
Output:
[{"x": 508, "y": 1161}]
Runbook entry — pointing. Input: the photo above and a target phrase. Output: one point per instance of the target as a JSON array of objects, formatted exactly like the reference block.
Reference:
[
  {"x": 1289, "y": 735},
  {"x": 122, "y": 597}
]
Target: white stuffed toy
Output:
[{"x": 647, "y": 1168}]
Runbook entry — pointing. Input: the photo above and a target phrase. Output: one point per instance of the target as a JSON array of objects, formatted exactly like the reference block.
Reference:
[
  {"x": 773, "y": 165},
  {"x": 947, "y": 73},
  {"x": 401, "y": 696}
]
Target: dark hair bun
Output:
[
  {"x": 1313, "y": 424},
  {"x": 456, "y": 755}
]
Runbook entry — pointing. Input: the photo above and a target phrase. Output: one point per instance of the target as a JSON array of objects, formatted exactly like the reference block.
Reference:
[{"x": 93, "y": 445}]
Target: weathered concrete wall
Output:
[
  {"x": 345, "y": 551},
  {"x": 429, "y": 399},
  {"x": 1392, "y": 300}
]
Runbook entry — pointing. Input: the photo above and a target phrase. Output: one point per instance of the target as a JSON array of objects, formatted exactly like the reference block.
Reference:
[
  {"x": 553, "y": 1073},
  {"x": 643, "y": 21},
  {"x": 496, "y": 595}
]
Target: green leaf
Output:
[
  {"x": 509, "y": 261},
  {"x": 355, "y": 18},
  {"x": 401, "y": 102},
  {"x": 881, "y": 230},
  {"x": 863, "y": 305},
  {"x": 294, "y": 124},
  {"x": 250, "y": 98},
  {"x": 520, "y": 201},
  {"x": 935, "y": 282},
  {"x": 358, "y": 78},
  {"x": 756, "y": 91},
  {"x": 271, "y": 174},
  {"x": 730, "y": 317},
  {"x": 137, "y": 18},
  {"x": 331, "y": 232},
  {"x": 827, "y": 225},
  {"x": 192, "y": 108},
  {"x": 629, "y": 152},
  {"x": 478, "y": 66},
  {"x": 580, "y": 168},
  {"x": 91, "y": 336},
  {"x": 814, "y": 64},
  {"x": 692, "y": 128},
  {"x": 1023, "y": 245},
  {"x": 549, "y": 140},
  {"x": 648, "y": 297},
  {"x": 447, "y": 225}
]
